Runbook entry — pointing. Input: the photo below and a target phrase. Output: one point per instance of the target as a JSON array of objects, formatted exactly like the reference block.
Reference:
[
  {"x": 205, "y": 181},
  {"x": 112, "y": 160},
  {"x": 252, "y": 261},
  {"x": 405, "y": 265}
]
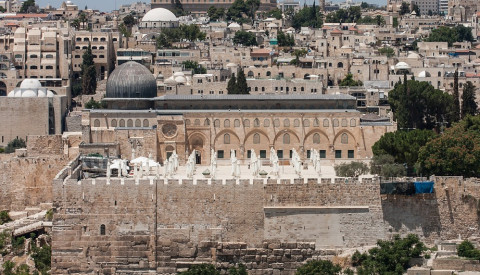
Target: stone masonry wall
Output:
[{"x": 165, "y": 226}]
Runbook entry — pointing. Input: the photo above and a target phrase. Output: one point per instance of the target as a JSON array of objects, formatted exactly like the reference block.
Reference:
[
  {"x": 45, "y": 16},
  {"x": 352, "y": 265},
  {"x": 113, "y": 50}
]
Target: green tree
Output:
[
  {"x": 93, "y": 104},
  {"x": 416, "y": 9},
  {"x": 83, "y": 17},
  {"x": 395, "y": 22},
  {"x": 419, "y": 105},
  {"x": 42, "y": 257},
  {"x": 202, "y": 269},
  {"x": 242, "y": 87},
  {"x": 252, "y": 7},
  {"x": 89, "y": 80},
  {"x": 129, "y": 21},
  {"x": 212, "y": 13},
  {"x": 350, "y": 82},
  {"x": 17, "y": 143},
  {"x": 389, "y": 52},
  {"x": 275, "y": 13},
  {"x": 350, "y": 15},
  {"x": 389, "y": 257},
  {"x": 237, "y": 10},
  {"x": 454, "y": 153},
  {"x": 364, "y": 5},
  {"x": 402, "y": 145},
  {"x": 469, "y": 104},
  {"x": 28, "y": 7},
  {"x": 353, "y": 169},
  {"x": 76, "y": 23},
  {"x": 306, "y": 17},
  {"x": 178, "y": 8},
  {"x": 163, "y": 41},
  {"x": 194, "y": 66},
  {"x": 298, "y": 53},
  {"x": 404, "y": 9},
  {"x": 232, "y": 85},
  {"x": 385, "y": 166},
  {"x": 285, "y": 40},
  {"x": 319, "y": 267},
  {"x": 8, "y": 268},
  {"x": 192, "y": 32},
  {"x": 450, "y": 34},
  {"x": 23, "y": 269},
  {"x": 456, "y": 98},
  {"x": 245, "y": 38},
  {"x": 4, "y": 217},
  {"x": 467, "y": 250}
]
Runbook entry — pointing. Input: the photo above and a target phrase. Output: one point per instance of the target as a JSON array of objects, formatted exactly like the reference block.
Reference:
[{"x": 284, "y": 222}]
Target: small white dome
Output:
[
  {"x": 50, "y": 93},
  {"x": 159, "y": 15},
  {"x": 272, "y": 25},
  {"x": 30, "y": 83},
  {"x": 180, "y": 79},
  {"x": 413, "y": 55},
  {"x": 11, "y": 94},
  {"x": 170, "y": 81},
  {"x": 29, "y": 93},
  {"x": 42, "y": 93},
  {"x": 233, "y": 25},
  {"x": 402, "y": 66},
  {"x": 424, "y": 74}
]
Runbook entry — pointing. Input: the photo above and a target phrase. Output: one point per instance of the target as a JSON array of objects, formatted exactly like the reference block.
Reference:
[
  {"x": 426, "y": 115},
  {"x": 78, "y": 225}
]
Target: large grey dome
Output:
[{"x": 131, "y": 80}]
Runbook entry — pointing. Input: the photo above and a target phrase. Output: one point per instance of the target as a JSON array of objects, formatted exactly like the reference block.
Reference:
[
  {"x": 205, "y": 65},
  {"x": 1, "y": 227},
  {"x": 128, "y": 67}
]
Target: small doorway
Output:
[{"x": 198, "y": 157}]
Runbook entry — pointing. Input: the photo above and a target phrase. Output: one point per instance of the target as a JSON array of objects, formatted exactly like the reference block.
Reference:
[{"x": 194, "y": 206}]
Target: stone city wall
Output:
[{"x": 272, "y": 226}]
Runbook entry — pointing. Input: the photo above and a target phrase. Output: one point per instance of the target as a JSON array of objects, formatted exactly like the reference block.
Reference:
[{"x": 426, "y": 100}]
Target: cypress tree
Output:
[
  {"x": 232, "y": 86},
  {"x": 89, "y": 73},
  {"x": 456, "y": 98},
  {"x": 242, "y": 83},
  {"x": 469, "y": 105}
]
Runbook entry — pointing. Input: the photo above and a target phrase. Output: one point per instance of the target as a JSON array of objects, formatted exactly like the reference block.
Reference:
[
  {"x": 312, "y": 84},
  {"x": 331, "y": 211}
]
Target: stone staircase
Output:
[{"x": 27, "y": 224}]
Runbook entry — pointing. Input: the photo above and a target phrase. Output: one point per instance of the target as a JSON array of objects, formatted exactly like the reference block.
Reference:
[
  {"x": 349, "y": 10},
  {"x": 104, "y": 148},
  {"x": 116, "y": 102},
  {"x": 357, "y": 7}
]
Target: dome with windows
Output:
[
  {"x": 159, "y": 18},
  {"x": 131, "y": 80},
  {"x": 31, "y": 88}
]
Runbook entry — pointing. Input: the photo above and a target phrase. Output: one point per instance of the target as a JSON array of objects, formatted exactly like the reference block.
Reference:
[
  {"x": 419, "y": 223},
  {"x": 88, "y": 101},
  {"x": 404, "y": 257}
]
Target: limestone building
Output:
[
  {"x": 136, "y": 120},
  {"x": 157, "y": 19},
  {"x": 31, "y": 110}
]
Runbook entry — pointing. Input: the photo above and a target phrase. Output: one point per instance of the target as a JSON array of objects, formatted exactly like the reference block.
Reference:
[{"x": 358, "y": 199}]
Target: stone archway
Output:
[{"x": 196, "y": 142}]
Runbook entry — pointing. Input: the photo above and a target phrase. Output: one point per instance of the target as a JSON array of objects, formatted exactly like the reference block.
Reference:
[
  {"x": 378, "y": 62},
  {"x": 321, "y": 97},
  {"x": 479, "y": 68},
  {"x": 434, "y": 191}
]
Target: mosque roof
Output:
[{"x": 131, "y": 80}]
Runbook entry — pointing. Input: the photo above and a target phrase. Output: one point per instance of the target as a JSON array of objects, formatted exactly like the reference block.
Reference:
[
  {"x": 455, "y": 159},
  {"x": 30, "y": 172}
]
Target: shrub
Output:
[
  {"x": 42, "y": 256},
  {"x": 49, "y": 215},
  {"x": 15, "y": 144},
  {"x": 202, "y": 269},
  {"x": 4, "y": 217},
  {"x": 352, "y": 169},
  {"x": 319, "y": 267},
  {"x": 467, "y": 250}
]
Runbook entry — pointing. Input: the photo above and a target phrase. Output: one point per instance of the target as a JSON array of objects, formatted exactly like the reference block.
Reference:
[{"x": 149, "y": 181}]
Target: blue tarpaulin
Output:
[{"x": 422, "y": 187}]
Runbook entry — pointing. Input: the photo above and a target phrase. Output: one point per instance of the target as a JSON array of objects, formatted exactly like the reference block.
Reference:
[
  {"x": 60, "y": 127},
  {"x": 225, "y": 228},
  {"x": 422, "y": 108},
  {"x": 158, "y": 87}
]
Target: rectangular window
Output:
[
  {"x": 280, "y": 154},
  {"x": 249, "y": 153},
  {"x": 338, "y": 154},
  {"x": 308, "y": 154},
  {"x": 220, "y": 154},
  {"x": 291, "y": 153},
  {"x": 323, "y": 154},
  {"x": 351, "y": 154},
  {"x": 263, "y": 154}
]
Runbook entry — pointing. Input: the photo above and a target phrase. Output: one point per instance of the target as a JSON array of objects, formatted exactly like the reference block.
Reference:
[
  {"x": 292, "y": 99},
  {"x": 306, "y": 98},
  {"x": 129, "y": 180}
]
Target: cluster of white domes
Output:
[
  {"x": 31, "y": 88},
  {"x": 178, "y": 78}
]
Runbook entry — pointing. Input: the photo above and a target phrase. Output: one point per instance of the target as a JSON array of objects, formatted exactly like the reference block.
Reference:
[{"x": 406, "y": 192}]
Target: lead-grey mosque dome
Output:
[{"x": 131, "y": 80}]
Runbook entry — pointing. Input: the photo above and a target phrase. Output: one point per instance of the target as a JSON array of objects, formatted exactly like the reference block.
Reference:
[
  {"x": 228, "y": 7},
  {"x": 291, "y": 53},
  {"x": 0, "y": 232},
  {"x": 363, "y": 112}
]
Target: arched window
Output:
[
  {"x": 102, "y": 230},
  {"x": 286, "y": 123},
  {"x": 113, "y": 123},
  {"x": 250, "y": 74},
  {"x": 326, "y": 123},
  {"x": 187, "y": 122},
  {"x": 246, "y": 123},
  {"x": 276, "y": 122},
  {"x": 306, "y": 123},
  {"x": 296, "y": 123},
  {"x": 266, "y": 122},
  {"x": 129, "y": 123},
  {"x": 236, "y": 123},
  {"x": 439, "y": 74},
  {"x": 286, "y": 139},
  {"x": 353, "y": 122},
  {"x": 316, "y": 138},
  {"x": 216, "y": 123},
  {"x": 122, "y": 123},
  {"x": 138, "y": 123},
  {"x": 96, "y": 123},
  {"x": 226, "y": 123},
  {"x": 206, "y": 122},
  {"x": 196, "y": 122},
  {"x": 256, "y": 123},
  {"x": 340, "y": 65},
  {"x": 226, "y": 139},
  {"x": 344, "y": 138},
  {"x": 146, "y": 123},
  {"x": 344, "y": 123},
  {"x": 256, "y": 138},
  {"x": 316, "y": 123},
  {"x": 269, "y": 73},
  {"x": 335, "y": 123}
]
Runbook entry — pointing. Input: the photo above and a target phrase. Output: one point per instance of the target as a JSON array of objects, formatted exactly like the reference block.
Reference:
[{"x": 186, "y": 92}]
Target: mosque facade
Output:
[{"x": 138, "y": 123}]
